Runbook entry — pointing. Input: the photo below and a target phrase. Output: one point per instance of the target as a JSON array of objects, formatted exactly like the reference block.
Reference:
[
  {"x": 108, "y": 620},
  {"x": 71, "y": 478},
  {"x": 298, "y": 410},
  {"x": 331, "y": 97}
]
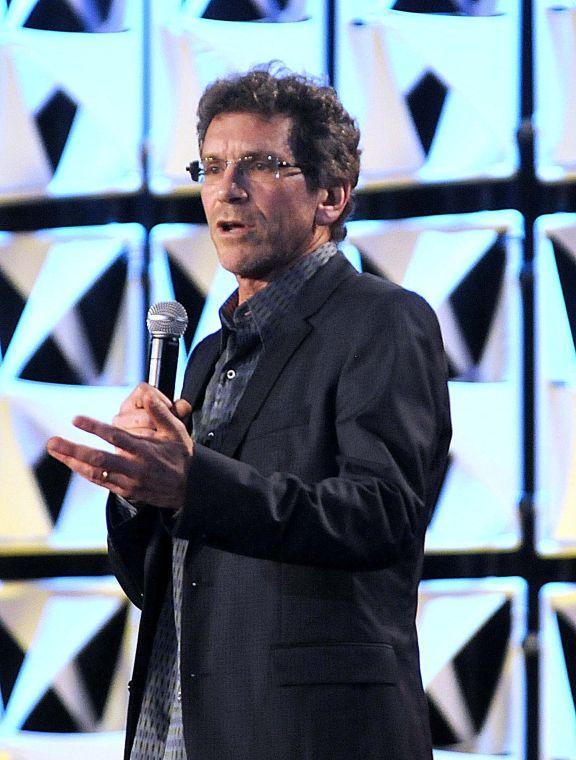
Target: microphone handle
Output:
[{"x": 162, "y": 363}]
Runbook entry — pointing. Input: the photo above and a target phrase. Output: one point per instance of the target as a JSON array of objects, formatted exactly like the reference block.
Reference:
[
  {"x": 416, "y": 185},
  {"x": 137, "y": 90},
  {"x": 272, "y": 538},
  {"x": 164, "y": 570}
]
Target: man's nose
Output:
[{"x": 232, "y": 187}]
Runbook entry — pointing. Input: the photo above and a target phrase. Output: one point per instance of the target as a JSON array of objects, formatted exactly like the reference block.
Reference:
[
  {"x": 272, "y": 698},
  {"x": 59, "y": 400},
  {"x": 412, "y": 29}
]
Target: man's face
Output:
[{"x": 258, "y": 227}]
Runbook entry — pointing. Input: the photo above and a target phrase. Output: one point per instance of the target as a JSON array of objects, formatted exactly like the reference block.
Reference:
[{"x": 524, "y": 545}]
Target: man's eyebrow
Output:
[{"x": 256, "y": 153}]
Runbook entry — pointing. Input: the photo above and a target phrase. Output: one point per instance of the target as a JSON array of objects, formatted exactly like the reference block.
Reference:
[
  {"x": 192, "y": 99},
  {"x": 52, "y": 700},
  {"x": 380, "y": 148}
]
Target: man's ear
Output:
[{"x": 332, "y": 203}]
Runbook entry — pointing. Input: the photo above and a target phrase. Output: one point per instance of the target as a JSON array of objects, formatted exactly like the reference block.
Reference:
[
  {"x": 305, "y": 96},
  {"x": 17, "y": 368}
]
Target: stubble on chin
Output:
[{"x": 252, "y": 264}]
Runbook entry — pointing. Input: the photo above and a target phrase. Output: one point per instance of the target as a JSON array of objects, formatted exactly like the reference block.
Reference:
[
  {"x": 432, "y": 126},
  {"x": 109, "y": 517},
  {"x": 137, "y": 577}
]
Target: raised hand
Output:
[{"x": 152, "y": 450}]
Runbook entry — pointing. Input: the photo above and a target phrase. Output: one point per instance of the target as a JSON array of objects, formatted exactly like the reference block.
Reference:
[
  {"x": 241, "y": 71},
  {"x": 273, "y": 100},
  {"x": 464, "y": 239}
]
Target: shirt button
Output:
[
  {"x": 194, "y": 584},
  {"x": 231, "y": 374},
  {"x": 179, "y": 695},
  {"x": 210, "y": 434},
  {"x": 192, "y": 675}
]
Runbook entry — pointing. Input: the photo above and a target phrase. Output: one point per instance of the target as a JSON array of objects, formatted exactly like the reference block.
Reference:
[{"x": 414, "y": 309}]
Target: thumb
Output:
[{"x": 182, "y": 409}]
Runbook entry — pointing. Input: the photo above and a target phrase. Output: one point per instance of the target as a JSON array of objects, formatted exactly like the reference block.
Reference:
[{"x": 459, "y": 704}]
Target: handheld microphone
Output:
[{"x": 166, "y": 323}]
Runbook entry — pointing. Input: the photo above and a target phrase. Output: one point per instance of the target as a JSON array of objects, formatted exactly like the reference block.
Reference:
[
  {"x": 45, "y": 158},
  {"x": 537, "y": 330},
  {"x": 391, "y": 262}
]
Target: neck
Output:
[{"x": 249, "y": 286}]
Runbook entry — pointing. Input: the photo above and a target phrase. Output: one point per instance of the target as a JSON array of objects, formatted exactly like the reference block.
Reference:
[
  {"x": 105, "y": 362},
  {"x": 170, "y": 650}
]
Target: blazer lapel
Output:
[
  {"x": 267, "y": 370},
  {"x": 199, "y": 370},
  {"x": 286, "y": 342}
]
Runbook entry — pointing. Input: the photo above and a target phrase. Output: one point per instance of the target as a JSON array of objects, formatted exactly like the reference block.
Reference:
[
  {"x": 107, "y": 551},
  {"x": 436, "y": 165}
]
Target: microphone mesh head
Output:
[{"x": 167, "y": 318}]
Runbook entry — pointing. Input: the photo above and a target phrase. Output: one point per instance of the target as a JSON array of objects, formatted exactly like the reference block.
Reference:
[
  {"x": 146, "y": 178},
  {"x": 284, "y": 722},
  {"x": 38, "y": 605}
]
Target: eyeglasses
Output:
[{"x": 256, "y": 167}]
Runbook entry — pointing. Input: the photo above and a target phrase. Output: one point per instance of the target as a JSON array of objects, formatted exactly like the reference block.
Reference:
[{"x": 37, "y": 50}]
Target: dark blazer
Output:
[{"x": 306, "y": 519}]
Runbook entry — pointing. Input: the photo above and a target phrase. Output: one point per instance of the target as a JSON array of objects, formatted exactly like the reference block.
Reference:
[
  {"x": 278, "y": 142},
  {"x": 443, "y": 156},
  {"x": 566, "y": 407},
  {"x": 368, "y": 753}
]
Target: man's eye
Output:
[
  {"x": 213, "y": 169},
  {"x": 257, "y": 165}
]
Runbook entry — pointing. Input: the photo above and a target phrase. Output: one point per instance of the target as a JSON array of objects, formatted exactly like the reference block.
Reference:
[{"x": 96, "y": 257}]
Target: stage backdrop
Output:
[{"x": 100, "y": 219}]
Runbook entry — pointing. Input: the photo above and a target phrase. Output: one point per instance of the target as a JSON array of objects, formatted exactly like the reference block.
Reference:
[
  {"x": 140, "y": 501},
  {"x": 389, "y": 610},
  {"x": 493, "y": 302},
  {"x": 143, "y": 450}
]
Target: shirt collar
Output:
[{"x": 261, "y": 313}]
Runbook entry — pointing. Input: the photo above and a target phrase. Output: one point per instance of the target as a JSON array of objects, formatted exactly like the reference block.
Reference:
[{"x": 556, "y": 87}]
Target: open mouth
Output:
[{"x": 230, "y": 226}]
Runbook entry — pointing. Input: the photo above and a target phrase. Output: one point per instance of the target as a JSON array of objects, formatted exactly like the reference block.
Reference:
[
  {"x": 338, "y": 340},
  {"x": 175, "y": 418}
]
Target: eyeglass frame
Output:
[{"x": 197, "y": 172}]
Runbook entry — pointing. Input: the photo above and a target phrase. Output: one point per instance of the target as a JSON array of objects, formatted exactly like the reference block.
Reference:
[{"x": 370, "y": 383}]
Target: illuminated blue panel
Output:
[{"x": 436, "y": 95}]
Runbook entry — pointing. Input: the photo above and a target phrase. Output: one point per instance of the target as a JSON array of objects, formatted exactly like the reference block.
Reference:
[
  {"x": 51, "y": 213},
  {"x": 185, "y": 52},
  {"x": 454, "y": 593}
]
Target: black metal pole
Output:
[{"x": 527, "y": 197}]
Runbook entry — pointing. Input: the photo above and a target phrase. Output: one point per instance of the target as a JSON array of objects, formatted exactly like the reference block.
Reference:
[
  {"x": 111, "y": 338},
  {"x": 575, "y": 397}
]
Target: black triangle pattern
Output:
[
  {"x": 566, "y": 265},
  {"x": 99, "y": 308},
  {"x": 103, "y": 7},
  {"x": 50, "y": 716},
  {"x": 568, "y": 639},
  {"x": 49, "y": 365},
  {"x": 237, "y": 10},
  {"x": 442, "y": 733},
  {"x": 475, "y": 298},
  {"x": 426, "y": 6},
  {"x": 478, "y": 666},
  {"x": 12, "y": 308},
  {"x": 186, "y": 292},
  {"x": 54, "y": 121},
  {"x": 54, "y": 15},
  {"x": 425, "y": 101},
  {"x": 53, "y": 480},
  {"x": 10, "y": 663},
  {"x": 97, "y": 661}
]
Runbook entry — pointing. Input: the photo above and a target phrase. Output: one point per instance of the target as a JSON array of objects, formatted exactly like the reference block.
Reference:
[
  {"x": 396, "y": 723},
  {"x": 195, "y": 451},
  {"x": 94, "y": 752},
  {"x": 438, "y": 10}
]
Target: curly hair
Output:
[{"x": 324, "y": 137}]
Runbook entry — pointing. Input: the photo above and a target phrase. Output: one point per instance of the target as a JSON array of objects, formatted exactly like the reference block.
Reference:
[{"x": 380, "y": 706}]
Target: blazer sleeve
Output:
[
  {"x": 393, "y": 429},
  {"x": 139, "y": 547}
]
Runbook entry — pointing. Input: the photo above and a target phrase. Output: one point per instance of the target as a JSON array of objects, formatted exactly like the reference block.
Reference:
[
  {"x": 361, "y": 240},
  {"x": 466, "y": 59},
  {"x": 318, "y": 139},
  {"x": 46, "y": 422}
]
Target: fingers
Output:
[
  {"x": 149, "y": 435},
  {"x": 137, "y": 399},
  {"x": 137, "y": 415},
  {"x": 93, "y": 464},
  {"x": 141, "y": 469},
  {"x": 167, "y": 421},
  {"x": 136, "y": 422},
  {"x": 119, "y": 438}
]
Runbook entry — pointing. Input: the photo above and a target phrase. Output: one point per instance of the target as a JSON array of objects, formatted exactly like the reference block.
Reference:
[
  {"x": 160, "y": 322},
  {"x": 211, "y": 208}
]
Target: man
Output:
[{"x": 276, "y": 553}]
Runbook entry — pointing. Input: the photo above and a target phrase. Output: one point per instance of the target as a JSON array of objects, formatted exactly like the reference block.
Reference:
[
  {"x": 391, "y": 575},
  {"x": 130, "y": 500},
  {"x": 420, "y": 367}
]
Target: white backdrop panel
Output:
[
  {"x": 91, "y": 16},
  {"x": 451, "y": 616},
  {"x": 556, "y": 383},
  {"x": 469, "y": 66},
  {"x": 52, "y": 623},
  {"x": 190, "y": 52},
  {"x": 555, "y": 80},
  {"x": 98, "y": 77},
  {"x": 557, "y": 647},
  {"x": 57, "y": 284}
]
